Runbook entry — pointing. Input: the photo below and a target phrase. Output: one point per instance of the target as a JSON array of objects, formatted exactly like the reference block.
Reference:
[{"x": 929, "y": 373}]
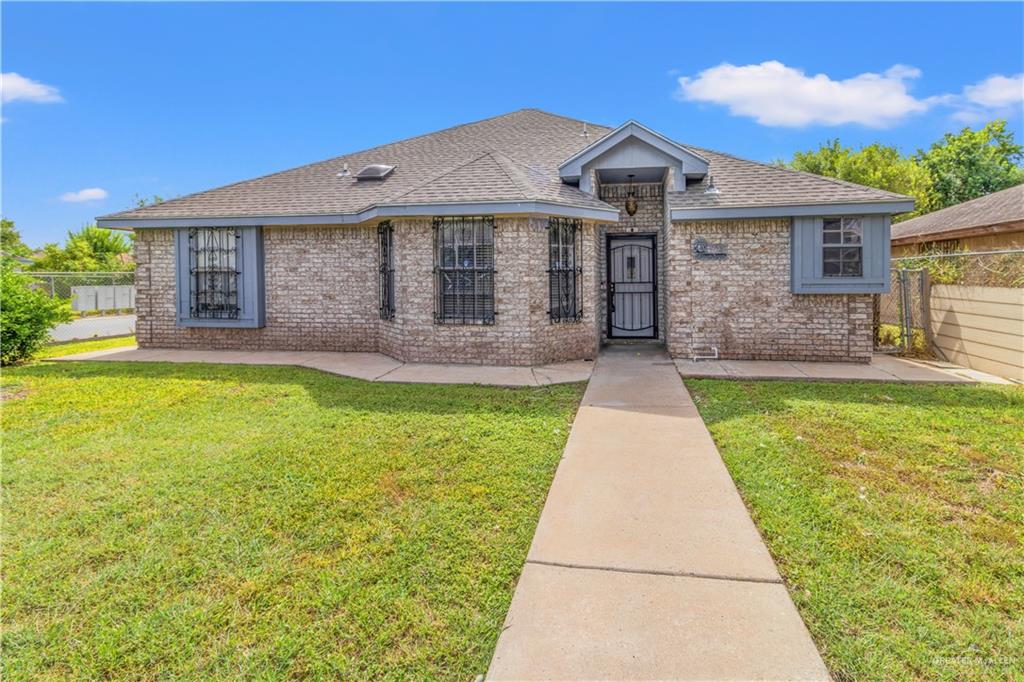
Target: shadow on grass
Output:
[
  {"x": 733, "y": 399},
  {"x": 327, "y": 390}
]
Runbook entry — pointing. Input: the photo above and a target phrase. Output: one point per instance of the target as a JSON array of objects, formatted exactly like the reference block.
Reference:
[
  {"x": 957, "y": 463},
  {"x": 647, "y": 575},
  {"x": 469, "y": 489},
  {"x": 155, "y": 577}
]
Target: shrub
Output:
[{"x": 26, "y": 316}]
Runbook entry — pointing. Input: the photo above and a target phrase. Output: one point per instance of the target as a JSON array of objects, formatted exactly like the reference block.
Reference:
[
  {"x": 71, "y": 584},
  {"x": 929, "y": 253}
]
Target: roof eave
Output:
[
  {"x": 790, "y": 210},
  {"x": 958, "y": 233},
  {"x": 525, "y": 206}
]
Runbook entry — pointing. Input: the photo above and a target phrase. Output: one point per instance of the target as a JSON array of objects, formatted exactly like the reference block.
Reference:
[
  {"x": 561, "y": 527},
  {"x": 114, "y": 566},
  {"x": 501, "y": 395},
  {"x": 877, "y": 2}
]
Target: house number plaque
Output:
[{"x": 705, "y": 250}]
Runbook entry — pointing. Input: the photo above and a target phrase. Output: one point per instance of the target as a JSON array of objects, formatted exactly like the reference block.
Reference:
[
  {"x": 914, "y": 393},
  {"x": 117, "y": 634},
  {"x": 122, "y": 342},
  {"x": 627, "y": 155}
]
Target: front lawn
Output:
[
  {"x": 895, "y": 513},
  {"x": 216, "y": 521}
]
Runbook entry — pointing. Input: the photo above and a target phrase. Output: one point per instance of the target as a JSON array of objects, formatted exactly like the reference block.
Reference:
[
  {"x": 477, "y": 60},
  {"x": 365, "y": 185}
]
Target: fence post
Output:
[{"x": 906, "y": 323}]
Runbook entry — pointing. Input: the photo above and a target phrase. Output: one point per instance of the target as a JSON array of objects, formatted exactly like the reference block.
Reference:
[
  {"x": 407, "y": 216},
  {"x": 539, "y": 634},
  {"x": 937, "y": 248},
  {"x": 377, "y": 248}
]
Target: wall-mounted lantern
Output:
[{"x": 631, "y": 203}]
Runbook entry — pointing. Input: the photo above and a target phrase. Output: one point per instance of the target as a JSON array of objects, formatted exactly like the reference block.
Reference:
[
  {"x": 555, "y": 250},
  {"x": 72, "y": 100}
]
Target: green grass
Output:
[
  {"x": 215, "y": 521},
  {"x": 56, "y": 350},
  {"x": 895, "y": 513}
]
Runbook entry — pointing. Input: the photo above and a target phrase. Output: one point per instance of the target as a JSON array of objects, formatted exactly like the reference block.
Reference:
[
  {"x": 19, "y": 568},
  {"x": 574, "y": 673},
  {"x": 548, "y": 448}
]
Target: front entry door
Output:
[{"x": 632, "y": 287}]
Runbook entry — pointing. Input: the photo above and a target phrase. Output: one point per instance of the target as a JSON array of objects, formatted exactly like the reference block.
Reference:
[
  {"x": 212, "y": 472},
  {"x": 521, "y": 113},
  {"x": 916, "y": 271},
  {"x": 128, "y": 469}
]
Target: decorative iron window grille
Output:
[
  {"x": 213, "y": 270},
  {"x": 565, "y": 270},
  {"x": 464, "y": 270},
  {"x": 843, "y": 247},
  {"x": 386, "y": 275}
]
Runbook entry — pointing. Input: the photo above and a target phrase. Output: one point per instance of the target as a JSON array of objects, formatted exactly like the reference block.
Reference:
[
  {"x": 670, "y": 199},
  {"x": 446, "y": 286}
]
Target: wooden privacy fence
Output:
[{"x": 980, "y": 327}]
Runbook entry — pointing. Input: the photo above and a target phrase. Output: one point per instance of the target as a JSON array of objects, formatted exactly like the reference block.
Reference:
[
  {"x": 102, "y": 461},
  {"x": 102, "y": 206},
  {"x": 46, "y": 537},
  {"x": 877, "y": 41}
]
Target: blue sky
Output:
[{"x": 116, "y": 100}]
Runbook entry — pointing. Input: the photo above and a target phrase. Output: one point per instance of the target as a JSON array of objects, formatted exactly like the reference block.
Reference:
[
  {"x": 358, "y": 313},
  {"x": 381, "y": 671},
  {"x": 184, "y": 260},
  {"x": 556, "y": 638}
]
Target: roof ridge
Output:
[
  {"x": 449, "y": 171},
  {"x": 500, "y": 158},
  {"x": 837, "y": 181},
  {"x": 564, "y": 117}
]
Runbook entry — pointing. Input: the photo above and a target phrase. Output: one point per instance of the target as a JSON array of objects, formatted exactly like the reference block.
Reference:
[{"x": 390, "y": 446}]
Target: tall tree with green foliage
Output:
[
  {"x": 10, "y": 240},
  {"x": 875, "y": 165},
  {"x": 960, "y": 167},
  {"x": 972, "y": 163},
  {"x": 91, "y": 249}
]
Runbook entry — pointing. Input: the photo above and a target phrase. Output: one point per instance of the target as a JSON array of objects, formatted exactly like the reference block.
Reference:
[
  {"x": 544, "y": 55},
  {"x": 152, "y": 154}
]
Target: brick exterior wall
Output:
[
  {"x": 743, "y": 304},
  {"x": 321, "y": 294},
  {"x": 649, "y": 219}
]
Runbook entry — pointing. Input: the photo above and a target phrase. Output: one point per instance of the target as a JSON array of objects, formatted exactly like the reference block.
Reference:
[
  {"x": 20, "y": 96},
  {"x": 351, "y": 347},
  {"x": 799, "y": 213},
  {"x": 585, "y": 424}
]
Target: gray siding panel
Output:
[
  {"x": 807, "y": 266},
  {"x": 250, "y": 283}
]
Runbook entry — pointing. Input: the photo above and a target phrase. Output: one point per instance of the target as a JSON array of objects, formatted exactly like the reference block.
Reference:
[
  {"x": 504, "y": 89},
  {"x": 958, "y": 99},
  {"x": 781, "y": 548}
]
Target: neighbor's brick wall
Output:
[
  {"x": 743, "y": 304},
  {"x": 321, "y": 294}
]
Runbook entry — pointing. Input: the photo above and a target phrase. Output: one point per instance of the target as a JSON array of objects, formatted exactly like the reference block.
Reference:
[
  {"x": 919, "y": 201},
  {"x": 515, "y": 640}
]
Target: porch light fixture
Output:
[
  {"x": 631, "y": 204},
  {"x": 711, "y": 189}
]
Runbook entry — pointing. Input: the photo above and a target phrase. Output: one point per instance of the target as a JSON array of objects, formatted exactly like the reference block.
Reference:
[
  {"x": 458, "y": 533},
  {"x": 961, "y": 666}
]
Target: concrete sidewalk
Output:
[
  {"x": 645, "y": 563},
  {"x": 881, "y": 368},
  {"x": 366, "y": 366}
]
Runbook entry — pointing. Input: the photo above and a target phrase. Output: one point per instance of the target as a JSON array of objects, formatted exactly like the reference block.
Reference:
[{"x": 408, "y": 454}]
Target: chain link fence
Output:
[
  {"x": 89, "y": 291},
  {"x": 902, "y": 317}
]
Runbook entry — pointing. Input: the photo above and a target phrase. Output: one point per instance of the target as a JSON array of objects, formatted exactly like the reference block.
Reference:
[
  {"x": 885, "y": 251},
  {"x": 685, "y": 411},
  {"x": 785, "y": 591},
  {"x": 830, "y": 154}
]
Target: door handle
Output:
[{"x": 611, "y": 296}]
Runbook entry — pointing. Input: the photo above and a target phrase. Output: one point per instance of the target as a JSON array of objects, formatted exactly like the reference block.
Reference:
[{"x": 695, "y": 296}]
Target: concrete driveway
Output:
[{"x": 100, "y": 326}]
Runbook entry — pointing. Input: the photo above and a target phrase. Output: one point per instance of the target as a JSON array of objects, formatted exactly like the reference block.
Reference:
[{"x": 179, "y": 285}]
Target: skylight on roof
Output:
[{"x": 375, "y": 171}]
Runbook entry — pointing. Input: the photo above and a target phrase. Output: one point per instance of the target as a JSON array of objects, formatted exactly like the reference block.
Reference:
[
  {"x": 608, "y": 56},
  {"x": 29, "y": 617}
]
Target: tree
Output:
[
  {"x": 875, "y": 165},
  {"x": 26, "y": 316},
  {"x": 88, "y": 250},
  {"x": 972, "y": 163},
  {"x": 10, "y": 240},
  {"x": 957, "y": 168}
]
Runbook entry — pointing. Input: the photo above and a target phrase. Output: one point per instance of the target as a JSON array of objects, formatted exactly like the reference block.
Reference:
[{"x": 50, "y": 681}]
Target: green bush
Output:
[{"x": 26, "y": 316}]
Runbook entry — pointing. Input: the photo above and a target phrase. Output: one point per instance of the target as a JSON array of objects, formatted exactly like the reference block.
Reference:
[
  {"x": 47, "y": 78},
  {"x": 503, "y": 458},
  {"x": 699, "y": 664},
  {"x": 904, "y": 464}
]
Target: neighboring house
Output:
[
  {"x": 990, "y": 223},
  {"x": 521, "y": 239}
]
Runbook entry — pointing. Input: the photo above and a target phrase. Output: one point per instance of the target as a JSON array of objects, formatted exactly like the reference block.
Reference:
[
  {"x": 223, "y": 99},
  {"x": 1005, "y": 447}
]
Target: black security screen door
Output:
[{"x": 632, "y": 288}]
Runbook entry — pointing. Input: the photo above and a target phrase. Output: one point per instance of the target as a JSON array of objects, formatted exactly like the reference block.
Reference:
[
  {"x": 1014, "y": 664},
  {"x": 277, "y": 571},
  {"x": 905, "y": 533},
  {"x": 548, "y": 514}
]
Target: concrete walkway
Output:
[
  {"x": 881, "y": 368},
  {"x": 367, "y": 366},
  {"x": 645, "y": 563}
]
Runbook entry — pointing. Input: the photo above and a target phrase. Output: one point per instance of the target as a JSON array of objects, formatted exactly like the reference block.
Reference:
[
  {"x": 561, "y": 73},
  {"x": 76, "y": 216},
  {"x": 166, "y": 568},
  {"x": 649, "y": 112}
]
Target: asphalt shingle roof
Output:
[
  {"x": 510, "y": 157},
  {"x": 748, "y": 183},
  {"x": 992, "y": 209}
]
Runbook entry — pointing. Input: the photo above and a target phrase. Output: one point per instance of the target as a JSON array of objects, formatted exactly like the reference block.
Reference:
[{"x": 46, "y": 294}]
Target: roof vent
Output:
[
  {"x": 344, "y": 172},
  {"x": 375, "y": 171},
  {"x": 711, "y": 189}
]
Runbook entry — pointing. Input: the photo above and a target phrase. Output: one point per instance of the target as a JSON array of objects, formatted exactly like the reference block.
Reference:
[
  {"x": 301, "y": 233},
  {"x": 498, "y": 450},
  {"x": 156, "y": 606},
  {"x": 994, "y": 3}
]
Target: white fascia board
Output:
[
  {"x": 395, "y": 210},
  {"x": 890, "y": 207},
  {"x": 571, "y": 168}
]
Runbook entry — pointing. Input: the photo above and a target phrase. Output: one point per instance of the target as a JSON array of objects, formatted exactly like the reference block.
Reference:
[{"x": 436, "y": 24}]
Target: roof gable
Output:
[{"x": 635, "y": 144}]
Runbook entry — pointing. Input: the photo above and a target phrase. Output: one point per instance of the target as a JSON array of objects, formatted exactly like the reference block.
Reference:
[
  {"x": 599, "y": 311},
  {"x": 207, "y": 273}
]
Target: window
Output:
[
  {"x": 842, "y": 247},
  {"x": 464, "y": 270},
  {"x": 564, "y": 270},
  {"x": 212, "y": 259},
  {"x": 386, "y": 276},
  {"x": 219, "y": 276}
]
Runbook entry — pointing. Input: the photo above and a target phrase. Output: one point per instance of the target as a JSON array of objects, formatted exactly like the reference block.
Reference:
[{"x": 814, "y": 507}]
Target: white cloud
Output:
[
  {"x": 996, "y": 91},
  {"x": 778, "y": 95},
  {"x": 14, "y": 87},
  {"x": 88, "y": 194}
]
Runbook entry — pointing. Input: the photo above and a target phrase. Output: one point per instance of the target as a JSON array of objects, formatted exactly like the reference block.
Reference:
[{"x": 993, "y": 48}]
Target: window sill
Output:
[{"x": 218, "y": 324}]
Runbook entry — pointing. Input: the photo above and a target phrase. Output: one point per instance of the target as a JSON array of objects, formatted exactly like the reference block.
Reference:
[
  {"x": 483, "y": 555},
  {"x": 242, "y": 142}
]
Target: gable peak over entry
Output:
[{"x": 632, "y": 149}]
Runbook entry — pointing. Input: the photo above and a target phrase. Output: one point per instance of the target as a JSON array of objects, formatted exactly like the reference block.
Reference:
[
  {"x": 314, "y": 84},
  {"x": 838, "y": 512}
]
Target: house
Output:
[
  {"x": 993, "y": 222},
  {"x": 521, "y": 239}
]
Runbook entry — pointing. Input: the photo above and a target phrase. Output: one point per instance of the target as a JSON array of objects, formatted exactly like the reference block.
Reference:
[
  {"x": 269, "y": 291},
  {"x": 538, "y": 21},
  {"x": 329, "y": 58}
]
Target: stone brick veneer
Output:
[
  {"x": 743, "y": 304},
  {"x": 321, "y": 294},
  {"x": 649, "y": 219}
]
